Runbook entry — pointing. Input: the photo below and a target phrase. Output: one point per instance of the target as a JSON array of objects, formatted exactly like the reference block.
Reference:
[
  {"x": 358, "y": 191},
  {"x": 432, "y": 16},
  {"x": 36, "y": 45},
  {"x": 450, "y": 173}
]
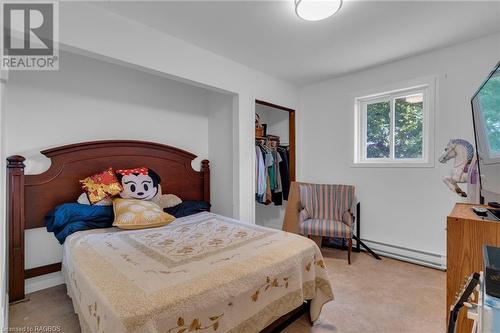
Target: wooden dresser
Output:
[{"x": 466, "y": 235}]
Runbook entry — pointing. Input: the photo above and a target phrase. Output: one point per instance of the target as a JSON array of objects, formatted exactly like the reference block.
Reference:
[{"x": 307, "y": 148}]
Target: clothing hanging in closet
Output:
[
  {"x": 271, "y": 174},
  {"x": 285, "y": 171}
]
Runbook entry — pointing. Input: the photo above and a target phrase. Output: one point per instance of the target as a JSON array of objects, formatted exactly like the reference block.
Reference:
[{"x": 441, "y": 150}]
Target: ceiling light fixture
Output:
[{"x": 316, "y": 10}]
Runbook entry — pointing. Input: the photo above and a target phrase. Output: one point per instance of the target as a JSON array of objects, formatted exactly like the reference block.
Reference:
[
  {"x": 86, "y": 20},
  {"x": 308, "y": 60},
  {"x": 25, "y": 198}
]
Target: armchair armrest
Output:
[
  {"x": 348, "y": 217},
  {"x": 291, "y": 222},
  {"x": 303, "y": 215}
]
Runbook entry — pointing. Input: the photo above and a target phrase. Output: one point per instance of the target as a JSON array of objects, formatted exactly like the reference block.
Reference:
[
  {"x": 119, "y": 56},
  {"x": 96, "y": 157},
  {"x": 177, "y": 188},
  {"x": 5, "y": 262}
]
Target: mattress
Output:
[{"x": 203, "y": 272}]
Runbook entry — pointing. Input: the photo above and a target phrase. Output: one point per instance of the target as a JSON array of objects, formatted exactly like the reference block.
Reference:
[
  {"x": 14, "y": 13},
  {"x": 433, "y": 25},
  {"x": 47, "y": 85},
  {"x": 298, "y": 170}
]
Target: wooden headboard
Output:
[{"x": 31, "y": 197}]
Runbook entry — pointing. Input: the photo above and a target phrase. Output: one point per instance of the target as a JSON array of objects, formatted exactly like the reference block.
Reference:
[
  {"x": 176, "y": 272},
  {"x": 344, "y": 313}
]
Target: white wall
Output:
[
  {"x": 220, "y": 152},
  {"x": 400, "y": 206},
  {"x": 87, "y": 100},
  {"x": 277, "y": 124}
]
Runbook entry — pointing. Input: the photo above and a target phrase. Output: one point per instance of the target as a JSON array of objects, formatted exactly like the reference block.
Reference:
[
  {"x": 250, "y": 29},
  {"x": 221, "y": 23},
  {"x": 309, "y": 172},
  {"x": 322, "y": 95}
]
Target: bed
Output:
[{"x": 203, "y": 272}]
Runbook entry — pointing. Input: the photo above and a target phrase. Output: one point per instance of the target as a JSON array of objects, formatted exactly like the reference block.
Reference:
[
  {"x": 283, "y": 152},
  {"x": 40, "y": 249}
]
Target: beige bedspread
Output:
[{"x": 204, "y": 272}]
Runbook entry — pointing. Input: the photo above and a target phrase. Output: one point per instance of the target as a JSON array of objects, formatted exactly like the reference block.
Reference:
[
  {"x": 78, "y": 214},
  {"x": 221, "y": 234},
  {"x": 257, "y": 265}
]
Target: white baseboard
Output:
[
  {"x": 43, "y": 282},
  {"x": 413, "y": 256}
]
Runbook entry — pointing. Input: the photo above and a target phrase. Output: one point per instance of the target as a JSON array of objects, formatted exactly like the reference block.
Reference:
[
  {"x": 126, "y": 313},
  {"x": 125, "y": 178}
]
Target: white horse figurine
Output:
[{"x": 463, "y": 153}]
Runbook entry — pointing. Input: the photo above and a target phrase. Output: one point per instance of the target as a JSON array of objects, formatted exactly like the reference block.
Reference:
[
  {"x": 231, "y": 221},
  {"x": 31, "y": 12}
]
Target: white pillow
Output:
[{"x": 84, "y": 200}]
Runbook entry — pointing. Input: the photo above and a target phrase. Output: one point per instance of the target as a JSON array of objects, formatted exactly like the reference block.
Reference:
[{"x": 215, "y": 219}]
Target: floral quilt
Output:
[{"x": 200, "y": 273}]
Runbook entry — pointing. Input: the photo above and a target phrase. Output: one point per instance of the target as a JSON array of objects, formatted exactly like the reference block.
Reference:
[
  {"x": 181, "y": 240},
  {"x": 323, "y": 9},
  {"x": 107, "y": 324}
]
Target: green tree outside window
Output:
[{"x": 408, "y": 128}]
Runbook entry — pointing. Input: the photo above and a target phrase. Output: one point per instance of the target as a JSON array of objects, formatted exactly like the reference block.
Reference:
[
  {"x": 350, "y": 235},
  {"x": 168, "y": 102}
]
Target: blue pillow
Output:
[
  {"x": 187, "y": 208},
  {"x": 68, "y": 218}
]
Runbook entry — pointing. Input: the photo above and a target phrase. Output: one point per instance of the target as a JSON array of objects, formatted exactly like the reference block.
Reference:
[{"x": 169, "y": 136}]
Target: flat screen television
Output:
[{"x": 486, "y": 117}]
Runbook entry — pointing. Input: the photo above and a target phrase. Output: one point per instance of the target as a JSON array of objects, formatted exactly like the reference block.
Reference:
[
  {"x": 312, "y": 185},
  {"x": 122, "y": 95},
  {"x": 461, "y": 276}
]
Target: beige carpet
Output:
[
  {"x": 370, "y": 296},
  {"x": 386, "y": 296}
]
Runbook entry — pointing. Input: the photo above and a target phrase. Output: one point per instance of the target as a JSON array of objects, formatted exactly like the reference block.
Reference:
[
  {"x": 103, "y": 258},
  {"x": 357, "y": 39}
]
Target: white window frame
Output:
[{"x": 425, "y": 86}]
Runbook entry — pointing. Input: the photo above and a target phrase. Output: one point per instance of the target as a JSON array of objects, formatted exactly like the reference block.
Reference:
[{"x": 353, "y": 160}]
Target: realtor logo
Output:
[{"x": 30, "y": 35}]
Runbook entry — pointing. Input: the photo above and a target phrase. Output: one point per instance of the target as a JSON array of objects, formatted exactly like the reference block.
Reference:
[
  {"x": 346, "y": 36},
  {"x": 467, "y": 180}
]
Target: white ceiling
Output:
[{"x": 268, "y": 36}]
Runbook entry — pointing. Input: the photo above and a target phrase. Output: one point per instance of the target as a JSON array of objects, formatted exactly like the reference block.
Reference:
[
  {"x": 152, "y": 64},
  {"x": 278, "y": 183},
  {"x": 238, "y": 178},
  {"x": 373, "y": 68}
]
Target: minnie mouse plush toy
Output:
[
  {"x": 139, "y": 183},
  {"x": 144, "y": 184}
]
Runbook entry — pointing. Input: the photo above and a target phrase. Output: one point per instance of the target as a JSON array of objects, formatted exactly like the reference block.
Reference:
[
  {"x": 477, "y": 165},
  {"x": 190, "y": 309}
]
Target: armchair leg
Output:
[
  {"x": 317, "y": 239},
  {"x": 349, "y": 250}
]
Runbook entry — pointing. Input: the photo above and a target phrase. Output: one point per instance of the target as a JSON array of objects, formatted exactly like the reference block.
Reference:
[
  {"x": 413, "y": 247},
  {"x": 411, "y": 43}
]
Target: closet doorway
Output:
[{"x": 275, "y": 161}]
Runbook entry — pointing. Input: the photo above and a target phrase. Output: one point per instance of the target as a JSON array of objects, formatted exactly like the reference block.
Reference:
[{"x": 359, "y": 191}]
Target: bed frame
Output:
[{"x": 31, "y": 197}]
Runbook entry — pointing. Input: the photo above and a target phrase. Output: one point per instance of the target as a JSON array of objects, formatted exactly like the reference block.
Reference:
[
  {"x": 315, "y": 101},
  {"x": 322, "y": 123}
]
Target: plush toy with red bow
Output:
[{"x": 144, "y": 184}]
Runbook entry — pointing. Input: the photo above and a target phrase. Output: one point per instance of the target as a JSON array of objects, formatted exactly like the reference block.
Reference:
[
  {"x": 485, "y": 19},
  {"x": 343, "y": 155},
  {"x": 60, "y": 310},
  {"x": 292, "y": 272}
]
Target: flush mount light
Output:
[{"x": 316, "y": 10}]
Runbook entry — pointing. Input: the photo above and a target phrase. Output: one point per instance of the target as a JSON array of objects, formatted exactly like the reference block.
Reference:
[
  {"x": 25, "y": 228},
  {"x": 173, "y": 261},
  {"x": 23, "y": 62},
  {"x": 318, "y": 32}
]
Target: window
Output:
[{"x": 394, "y": 128}]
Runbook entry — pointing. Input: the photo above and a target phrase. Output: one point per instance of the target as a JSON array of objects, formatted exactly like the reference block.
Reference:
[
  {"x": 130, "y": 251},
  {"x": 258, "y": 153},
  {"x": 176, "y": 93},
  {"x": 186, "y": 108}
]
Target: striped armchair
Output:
[{"x": 326, "y": 212}]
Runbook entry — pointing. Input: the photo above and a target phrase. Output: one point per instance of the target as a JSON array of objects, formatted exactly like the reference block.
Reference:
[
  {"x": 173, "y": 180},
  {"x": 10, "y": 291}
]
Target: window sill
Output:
[{"x": 392, "y": 165}]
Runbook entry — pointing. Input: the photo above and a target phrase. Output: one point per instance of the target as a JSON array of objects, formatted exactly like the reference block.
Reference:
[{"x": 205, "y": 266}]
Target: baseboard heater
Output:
[{"x": 413, "y": 256}]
